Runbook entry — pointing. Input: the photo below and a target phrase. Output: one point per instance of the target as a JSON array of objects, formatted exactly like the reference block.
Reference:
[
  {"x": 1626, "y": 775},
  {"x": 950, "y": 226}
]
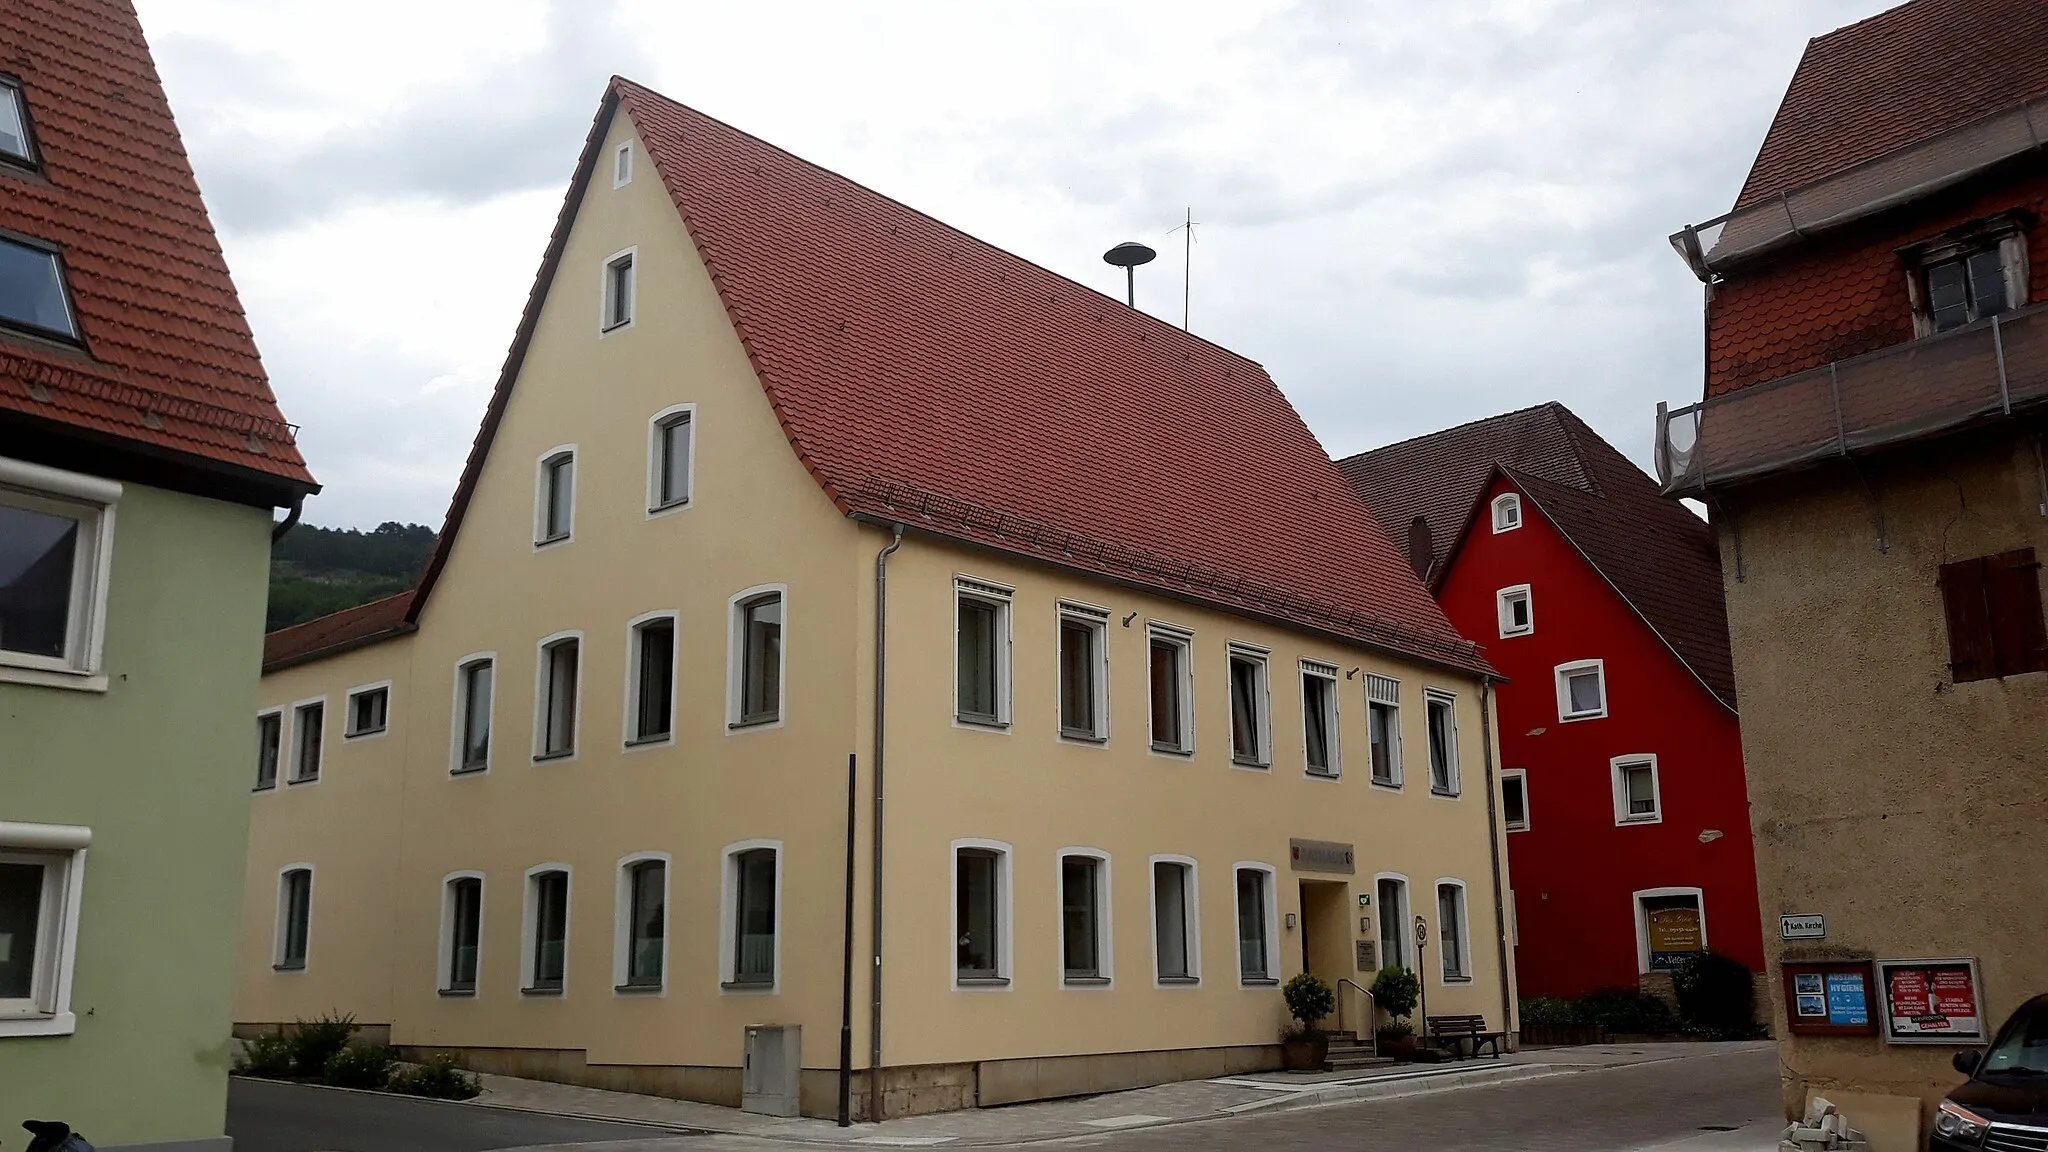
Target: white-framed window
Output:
[
  {"x": 1507, "y": 512},
  {"x": 1517, "y": 613},
  {"x": 1671, "y": 926},
  {"x": 750, "y": 917},
  {"x": 981, "y": 914},
  {"x": 554, "y": 496},
  {"x": 56, "y": 554},
  {"x": 309, "y": 738},
  {"x": 1258, "y": 933},
  {"x": 469, "y": 742},
  {"x": 981, "y": 652},
  {"x": 1514, "y": 799},
  {"x": 462, "y": 932},
  {"x": 1171, "y": 657},
  {"x": 1638, "y": 796},
  {"x": 557, "y": 695},
  {"x": 640, "y": 942},
  {"x": 671, "y": 458},
  {"x": 618, "y": 290},
  {"x": 1383, "y": 728},
  {"x": 269, "y": 747},
  {"x": 1440, "y": 714},
  {"x": 1453, "y": 932},
  {"x": 622, "y": 164},
  {"x": 42, "y": 879},
  {"x": 294, "y": 929},
  {"x": 1084, "y": 672},
  {"x": 17, "y": 137},
  {"x": 34, "y": 294},
  {"x": 368, "y": 711},
  {"x": 1176, "y": 922},
  {"x": 651, "y": 679},
  {"x": 1581, "y": 690},
  {"x": 754, "y": 686},
  {"x": 544, "y": 927},
  {"x": 1321, "y": 747},
  {"x": 1251, "y": 710},
  {"x": 1086, "y": 949},
  {"x": 1397, "y": 937}
]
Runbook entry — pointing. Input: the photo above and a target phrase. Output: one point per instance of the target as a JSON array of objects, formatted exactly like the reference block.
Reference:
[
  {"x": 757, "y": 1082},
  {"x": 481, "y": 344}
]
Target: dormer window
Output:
[
  {"x": 1967, "y": 274},
  {"x": 1507, "y": 512},
  {"x": 17, "y": 141},
  {"x": 32, "y": 294}
]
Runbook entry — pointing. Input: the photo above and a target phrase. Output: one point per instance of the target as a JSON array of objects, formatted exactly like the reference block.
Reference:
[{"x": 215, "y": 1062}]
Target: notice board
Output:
[
  {"x": 1932, "y": 1001},
  {"x": 1830, "y": 998}
]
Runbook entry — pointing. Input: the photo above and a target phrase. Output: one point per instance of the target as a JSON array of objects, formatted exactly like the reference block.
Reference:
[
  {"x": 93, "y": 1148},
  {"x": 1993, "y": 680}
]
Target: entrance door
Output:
[{"x": 1325, "y": 932}]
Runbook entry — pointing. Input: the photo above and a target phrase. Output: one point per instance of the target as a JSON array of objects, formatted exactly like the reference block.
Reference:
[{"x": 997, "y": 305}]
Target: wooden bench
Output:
[{"x": 1467, "y": 1030}]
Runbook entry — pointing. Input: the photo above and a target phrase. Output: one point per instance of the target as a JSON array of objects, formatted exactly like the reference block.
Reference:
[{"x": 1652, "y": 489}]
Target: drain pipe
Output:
[
  {"x": 875, "y": 913},
  {"x": 1493, "y": 838},
  {"x": 291, "y": 518}
]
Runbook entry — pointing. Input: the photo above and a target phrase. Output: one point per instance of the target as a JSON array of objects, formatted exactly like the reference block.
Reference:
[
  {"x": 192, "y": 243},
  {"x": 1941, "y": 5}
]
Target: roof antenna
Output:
[
  {"x": 1187, "y": 264},
  {"x": 1127, "y": 256}
]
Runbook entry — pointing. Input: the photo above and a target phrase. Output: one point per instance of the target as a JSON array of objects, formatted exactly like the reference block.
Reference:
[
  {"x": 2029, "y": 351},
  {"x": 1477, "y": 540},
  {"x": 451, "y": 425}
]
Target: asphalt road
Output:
[{"x": 265, "y": 1116}]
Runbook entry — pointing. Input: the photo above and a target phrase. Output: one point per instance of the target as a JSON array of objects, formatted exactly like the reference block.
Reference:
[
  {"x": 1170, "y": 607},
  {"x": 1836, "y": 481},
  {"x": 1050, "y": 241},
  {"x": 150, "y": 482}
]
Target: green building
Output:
[{"x": 142, "y": 456}]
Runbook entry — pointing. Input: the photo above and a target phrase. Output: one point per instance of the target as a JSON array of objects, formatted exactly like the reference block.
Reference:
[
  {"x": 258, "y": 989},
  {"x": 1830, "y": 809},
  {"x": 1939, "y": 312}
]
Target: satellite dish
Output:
[{"x": 1127, "y": 256}]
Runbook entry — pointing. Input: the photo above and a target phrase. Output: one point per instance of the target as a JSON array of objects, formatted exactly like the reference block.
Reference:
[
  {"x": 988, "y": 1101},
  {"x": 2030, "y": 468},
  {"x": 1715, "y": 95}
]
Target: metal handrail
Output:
[{"x": 1368, "y": 1035}]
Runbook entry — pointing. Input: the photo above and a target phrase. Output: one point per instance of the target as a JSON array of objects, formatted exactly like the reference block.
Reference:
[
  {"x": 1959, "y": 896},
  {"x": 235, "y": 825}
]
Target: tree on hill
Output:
[{"x": 316, "y": 571}]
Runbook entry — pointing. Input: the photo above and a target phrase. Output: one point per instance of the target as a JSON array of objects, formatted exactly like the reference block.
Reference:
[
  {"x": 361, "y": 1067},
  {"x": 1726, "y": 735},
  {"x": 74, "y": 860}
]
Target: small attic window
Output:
[
  {"x": 1507, "y": 512},
  {"x": 17, "y": 140},
  {"x": 622, "y": 165},
  {"x": 1968, "y": 273},
  {"x": 33, "y": 297}
]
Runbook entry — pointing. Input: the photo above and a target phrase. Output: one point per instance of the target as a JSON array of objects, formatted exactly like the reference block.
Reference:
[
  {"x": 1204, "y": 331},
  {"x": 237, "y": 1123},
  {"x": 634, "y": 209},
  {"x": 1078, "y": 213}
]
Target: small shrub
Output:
[
  {"x": 1550, "y": 1010},
  {"x": 268, "y": 1056},
  {"x": 1716, "y": 996},
  {"x": 437, "y": 1076},
  {"x": 360, "y": 1066},
  {"x": 1309, "y": 999},
  {"x": 1628, "y": 1011},
  {"x": 1392, "y": 1033},
  {"x": 314, "y": 1042},
  {"x": 1396, "y": 990}
]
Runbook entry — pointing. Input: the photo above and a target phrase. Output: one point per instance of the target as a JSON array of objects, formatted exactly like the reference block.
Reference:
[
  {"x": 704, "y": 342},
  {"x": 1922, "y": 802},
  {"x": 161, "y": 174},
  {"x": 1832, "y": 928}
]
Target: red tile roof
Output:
[
  {"x": 337, "y": 632},
  {"x": 1658, "y": 556},
  {"x": 168, "y": 360},
  {"x": 928, "y": 378},
  {"x": 1896, "y": 78}
]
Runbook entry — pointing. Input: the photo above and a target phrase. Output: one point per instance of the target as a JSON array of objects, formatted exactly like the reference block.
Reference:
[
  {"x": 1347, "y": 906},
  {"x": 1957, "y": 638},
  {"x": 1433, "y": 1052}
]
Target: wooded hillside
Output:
[{"x": 314, "y": 571}]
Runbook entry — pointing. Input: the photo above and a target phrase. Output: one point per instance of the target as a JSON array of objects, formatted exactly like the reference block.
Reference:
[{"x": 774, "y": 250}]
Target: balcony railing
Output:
[{"x": 1983, "y": 372}]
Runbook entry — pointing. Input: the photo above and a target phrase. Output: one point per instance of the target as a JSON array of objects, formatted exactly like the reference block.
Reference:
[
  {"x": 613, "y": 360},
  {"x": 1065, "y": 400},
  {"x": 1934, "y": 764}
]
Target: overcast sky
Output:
[{"x": 1414, "y": 214}]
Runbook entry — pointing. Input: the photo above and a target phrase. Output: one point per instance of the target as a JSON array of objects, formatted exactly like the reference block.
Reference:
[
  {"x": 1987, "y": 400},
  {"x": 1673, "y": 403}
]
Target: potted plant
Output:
[
  {"x": 1303, "y": 1047},
  {"x": 1395, "y": 990}
]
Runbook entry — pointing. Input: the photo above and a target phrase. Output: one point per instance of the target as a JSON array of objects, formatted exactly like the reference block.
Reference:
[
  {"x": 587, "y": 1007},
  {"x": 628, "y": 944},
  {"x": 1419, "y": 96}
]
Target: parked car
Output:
[{"x": 2004, "y": 1103}]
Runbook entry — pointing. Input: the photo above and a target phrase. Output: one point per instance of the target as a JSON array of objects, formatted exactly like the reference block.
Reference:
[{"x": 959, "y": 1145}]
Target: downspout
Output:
[
  {"x": 1493, "y": 839},
  {"x": 846, "y": 965},
  {"x": 291, "y": 518},
  {"x": 875, "y": 913}
]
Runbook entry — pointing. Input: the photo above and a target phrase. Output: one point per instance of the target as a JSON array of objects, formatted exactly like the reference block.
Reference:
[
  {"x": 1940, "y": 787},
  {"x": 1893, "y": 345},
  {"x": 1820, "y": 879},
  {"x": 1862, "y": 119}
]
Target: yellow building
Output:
[{"x": 806, "y": 541}]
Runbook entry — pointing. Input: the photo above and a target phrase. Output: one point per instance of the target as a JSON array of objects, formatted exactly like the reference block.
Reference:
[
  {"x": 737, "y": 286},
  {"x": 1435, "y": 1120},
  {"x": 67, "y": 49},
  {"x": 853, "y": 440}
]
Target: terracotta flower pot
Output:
[{"x": 1304, "y": 1053}]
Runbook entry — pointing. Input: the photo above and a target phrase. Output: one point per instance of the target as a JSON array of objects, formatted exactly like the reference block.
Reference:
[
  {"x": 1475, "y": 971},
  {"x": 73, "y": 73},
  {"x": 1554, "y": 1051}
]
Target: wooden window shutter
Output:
[
  {"x": 2012, "y": 589},
  {"x": 1972, "y": 655}
]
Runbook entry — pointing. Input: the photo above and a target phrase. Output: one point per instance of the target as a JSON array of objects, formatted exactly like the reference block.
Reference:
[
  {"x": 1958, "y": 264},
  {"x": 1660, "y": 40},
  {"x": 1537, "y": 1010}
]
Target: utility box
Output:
[{"x": 773, "y": 1069}]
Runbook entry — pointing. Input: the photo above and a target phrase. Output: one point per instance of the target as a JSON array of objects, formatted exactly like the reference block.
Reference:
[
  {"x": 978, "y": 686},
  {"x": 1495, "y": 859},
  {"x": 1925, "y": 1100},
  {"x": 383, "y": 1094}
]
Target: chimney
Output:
[{"x": 1420, "y": 547}]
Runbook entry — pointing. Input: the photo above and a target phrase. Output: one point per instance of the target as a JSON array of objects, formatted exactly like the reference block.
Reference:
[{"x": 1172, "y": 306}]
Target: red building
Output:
[{"x": 1601, "y": 602}]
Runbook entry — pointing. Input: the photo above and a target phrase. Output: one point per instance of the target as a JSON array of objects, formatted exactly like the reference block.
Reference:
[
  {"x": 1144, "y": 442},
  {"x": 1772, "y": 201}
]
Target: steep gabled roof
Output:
[
  {"x": 1901, "y": 76},
  {"x": 927, "y": 378},
  {"x": 1658, "y": 556},
  {"x": 168, "y": 363}
]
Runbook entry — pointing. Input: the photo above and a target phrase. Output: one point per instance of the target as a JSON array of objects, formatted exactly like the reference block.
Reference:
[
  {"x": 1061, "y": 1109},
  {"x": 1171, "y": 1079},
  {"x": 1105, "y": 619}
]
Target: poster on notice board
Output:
[{"x": 1931, "y": 1001}]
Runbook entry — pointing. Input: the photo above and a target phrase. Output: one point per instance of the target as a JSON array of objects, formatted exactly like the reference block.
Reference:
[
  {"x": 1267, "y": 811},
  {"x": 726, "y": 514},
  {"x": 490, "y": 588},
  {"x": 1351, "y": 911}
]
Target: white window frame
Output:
[
  {"x": 1191, "y": 913},
  {"x": 283, "y": 741},
  {"x": 1183, "y": 745},
  {"x": 1001, "y": 598},
  {"x": 1405, "y": 917},
  {"x": 1105, "y": 921},
  {"x": 1521, "y": 777},
  {"x": 280, "y": 913},
  {"x": 1504, "y": 601},
  {"x": 1329, "y": 674},
  {"x": 348, "y": 719},
  {"x": 622, "y": 164},
  {"x": 1562, "y": 673},
  {"x": 1263, "y": 658},
  {"x": 605, "y": 327},
  {"x": 1273, "y": 967},
  {"x": 1642, "y": 919},
  {"x": 529, "y": 926},
  {"x": 1449, "y": 699},
  {"x": 630, "y": 722},
  {"x": 543, "y": 494},
  {"x": 458, "y": 714},
  {"x": 729, "y": 919},
  {"x": 92, "y": 502},
  {"x": 543, "y": 669},
  {"x": 1384, "y": 692},
  {"x": 297, "y": 739},
  {"x": 1504, "y": 505},
  {"x": 1006, "y": 916},
  {"x": 1636, "y": 760},
  {"x": 61, "y": 850},
  {"x": 735, "y": 664},
  {"x": 685, "y": 414},
  {"x": 445, "y": 960},
  {"x": 1097, "y": 619},
  {"x": 1464, "y": 975},
  {"x": 622, "y": 922}
]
